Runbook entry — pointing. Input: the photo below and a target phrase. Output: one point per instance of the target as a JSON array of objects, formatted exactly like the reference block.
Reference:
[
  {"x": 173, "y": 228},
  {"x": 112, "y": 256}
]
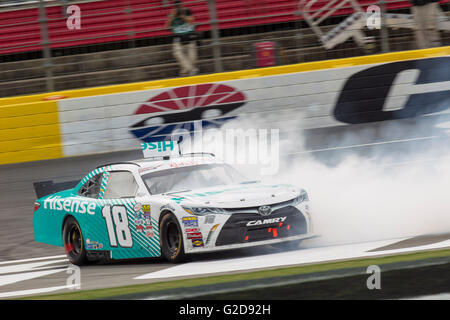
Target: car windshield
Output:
[{"x": 191, "y": 177}]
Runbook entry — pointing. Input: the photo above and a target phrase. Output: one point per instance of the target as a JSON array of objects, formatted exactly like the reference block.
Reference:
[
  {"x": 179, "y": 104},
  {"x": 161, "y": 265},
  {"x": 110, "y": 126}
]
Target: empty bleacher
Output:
[
  {"x": 118, "y": 20},
  {"x": 115, "y": 21}
]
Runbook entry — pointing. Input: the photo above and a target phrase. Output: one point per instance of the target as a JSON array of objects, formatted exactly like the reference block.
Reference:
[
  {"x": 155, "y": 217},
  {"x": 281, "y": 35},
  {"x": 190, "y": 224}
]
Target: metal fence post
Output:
[
  {"x": 134, "y": 61},
  {"x": 298, "y": 36},
  {"x": 64, "y": 6},
  {"x": 384, "y": 29},
  {"x": 46, "y": 47},
  {"x": 215, "y": 36}
]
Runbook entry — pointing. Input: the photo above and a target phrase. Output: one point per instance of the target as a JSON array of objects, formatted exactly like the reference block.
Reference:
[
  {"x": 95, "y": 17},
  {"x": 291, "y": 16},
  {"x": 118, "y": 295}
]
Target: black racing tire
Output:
[
  {"x": 171, "y": 239},
  {"x": 73, "y": 242},
  {"x": 288, "y": 245}
]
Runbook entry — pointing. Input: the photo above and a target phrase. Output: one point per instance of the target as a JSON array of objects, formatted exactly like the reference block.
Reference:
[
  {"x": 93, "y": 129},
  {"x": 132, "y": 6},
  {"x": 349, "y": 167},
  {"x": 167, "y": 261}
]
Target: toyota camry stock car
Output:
[{"x": 169, "y": 205}]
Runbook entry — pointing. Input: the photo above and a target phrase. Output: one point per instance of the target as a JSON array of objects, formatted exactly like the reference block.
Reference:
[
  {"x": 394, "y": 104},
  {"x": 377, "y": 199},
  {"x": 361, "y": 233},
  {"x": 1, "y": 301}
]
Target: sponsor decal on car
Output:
[
  {"x": 146, "y": 208},
  {"x": 190, "y": 221},
  {"x": 159, "y": 148},
  {"x": 265, "y": 221},
  {"x": 194, "y": 235},
  {"x": 183, "y": 164},
  {"x": 68, "y": 205},
  {"x": 93, "y": 244},
  {"x": 142, "y": 170},
  {"x": 137, "y": 207},
  {"x": 197, "y": 243}
]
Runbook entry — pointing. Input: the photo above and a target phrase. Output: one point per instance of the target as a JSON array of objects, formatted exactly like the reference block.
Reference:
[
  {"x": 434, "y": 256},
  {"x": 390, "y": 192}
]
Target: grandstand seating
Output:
[{"x": 108, "y": 21}]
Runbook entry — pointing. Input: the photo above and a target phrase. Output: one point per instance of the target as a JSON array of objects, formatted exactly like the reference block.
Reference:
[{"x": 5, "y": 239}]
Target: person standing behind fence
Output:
[
  {"x": 181, "y": 22},
  {"x": 426, "y": 14}
]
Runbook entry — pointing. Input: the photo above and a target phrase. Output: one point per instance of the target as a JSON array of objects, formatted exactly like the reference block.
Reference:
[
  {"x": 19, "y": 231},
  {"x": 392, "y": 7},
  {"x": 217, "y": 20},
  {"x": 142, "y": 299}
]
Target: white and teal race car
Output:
[{"x": 169, "y": 206}]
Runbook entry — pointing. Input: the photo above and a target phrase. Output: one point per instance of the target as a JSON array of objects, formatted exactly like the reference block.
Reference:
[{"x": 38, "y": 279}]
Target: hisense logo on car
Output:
[
  {"x": 68, "y": 205},
  {"x": 179, "y": 108},
  {"x": 265, "y": 221}
]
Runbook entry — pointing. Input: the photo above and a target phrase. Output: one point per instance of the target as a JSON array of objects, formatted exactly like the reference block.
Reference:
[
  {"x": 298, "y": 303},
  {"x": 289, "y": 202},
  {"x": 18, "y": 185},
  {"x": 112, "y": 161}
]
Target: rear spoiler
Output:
[{"x": 45, "y": 188}]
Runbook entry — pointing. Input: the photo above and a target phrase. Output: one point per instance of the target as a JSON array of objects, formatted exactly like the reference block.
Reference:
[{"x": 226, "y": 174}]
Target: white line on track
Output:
[
  {"x": 33, "y": 291},
  {"x": 13, "y": 278},
  {"x": 32, "y": 259},
  {"x": 12, "y": 273},
  {"x": 15, "y": 268}
]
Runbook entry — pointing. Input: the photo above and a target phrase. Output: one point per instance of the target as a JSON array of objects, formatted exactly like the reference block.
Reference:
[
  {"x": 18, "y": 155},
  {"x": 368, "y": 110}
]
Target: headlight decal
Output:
[
  {"x": 302, "y": 197},
  {"x": 203, "y": 211}
]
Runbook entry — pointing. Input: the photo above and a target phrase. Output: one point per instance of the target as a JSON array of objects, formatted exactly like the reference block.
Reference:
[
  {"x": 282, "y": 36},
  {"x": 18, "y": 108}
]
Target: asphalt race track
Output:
[{"x": 28, "y": 267}]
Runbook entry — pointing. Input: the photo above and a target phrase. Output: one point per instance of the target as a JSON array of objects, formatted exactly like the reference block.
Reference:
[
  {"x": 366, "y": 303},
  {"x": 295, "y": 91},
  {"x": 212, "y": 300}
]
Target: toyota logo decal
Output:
[{"x": 265, "y": 210}]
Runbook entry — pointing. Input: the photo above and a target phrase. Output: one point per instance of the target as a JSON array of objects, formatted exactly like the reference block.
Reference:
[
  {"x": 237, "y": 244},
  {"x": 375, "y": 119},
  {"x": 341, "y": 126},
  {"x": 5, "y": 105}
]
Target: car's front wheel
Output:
[
  {"x": 73, "y": 242},
  {"x": 171, "y": 239}
]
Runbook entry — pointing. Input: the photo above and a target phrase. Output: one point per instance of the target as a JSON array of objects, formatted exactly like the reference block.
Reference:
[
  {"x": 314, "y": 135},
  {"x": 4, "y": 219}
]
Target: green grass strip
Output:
[{"x": 286, "y": 271}]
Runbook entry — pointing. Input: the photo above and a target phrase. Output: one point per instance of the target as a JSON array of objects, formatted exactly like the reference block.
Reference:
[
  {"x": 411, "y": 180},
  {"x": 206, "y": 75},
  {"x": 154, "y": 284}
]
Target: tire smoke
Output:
[
  {"x": 367, "y": 197},
  {"x": 375, "y": 197}
]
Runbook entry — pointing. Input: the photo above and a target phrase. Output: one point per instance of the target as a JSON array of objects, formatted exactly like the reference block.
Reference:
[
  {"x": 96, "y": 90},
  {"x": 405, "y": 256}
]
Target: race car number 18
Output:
[{"x": 117, "y": 216}]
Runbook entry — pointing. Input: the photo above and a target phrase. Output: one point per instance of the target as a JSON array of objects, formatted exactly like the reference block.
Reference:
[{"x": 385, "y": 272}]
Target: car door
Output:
[{"x": 131, "y": 231}]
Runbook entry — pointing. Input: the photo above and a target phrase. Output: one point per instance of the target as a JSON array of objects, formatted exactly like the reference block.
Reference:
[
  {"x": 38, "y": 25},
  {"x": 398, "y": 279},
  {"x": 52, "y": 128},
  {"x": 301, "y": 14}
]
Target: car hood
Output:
[{"x": 236, "y": 196}]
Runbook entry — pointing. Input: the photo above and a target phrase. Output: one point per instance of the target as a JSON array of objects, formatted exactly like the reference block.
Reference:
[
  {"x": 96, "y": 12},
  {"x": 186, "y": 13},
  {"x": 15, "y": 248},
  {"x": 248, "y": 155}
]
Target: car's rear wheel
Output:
[
  {"x": 73, "y": 242},
  {"x": 171, "y": 238}
]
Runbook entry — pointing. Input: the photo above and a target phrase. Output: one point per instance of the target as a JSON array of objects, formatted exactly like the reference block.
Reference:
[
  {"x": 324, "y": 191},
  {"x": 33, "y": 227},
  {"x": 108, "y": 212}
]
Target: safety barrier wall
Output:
[
  {"x": 311, "y": 95},
  {"x": 29, "y": 131}
]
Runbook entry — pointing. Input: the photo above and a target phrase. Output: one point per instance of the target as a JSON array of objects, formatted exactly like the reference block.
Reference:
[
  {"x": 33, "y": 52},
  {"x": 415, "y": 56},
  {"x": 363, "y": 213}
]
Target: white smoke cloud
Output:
[
  {"x": 359, "y": 201},
  {"x": 361, "y": 198}
]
